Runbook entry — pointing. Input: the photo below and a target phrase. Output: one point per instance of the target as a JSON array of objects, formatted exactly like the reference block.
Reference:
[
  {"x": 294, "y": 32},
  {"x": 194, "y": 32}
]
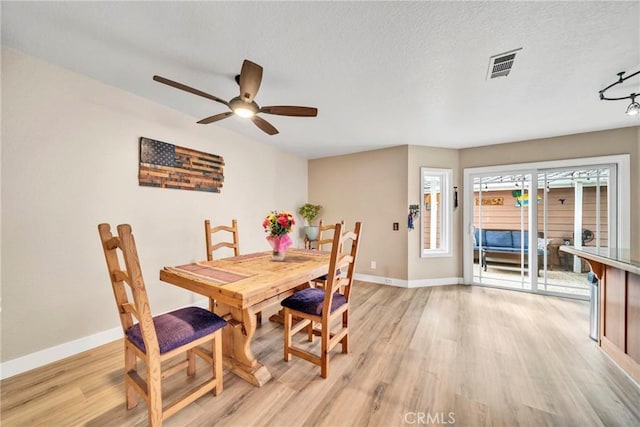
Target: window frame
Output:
[{"x": 446, "y": 212}]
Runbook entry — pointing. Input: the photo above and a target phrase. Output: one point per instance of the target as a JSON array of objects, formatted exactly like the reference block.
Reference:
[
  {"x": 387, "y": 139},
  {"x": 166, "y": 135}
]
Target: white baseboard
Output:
[
  {"x": 71, "y": 348},
  {"x": 409, "y": 283},
  {"x": 443, "y": 281},
  {"x": 58, "y": 352}
]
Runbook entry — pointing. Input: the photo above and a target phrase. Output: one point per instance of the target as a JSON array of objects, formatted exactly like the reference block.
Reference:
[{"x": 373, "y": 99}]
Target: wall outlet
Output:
[
  {"x": 396, "y": 226},
  {"x": 373, "y": 265}
]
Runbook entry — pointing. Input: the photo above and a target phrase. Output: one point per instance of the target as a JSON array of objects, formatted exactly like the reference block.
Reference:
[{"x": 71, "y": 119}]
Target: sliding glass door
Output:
[
  {"x": 521, "y": 219},
  {"x": 501, "y": 222},
  {"x": 577, "y": 207}
]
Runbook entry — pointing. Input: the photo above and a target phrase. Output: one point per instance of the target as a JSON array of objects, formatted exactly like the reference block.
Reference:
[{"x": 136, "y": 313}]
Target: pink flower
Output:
[{"x": 278, "y": 223}]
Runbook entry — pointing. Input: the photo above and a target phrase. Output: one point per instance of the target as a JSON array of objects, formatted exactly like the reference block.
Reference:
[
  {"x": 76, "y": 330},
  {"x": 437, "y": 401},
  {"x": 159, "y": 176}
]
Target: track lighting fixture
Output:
[{"x": 634, "y": 108}]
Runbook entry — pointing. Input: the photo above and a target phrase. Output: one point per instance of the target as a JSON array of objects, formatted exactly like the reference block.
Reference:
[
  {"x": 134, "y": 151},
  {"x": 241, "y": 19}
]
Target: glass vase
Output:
[{"x": 277, "y": 255}]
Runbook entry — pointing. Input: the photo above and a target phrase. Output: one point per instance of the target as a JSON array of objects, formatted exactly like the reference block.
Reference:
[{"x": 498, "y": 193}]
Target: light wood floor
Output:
[{"x": 473, "y": 355}]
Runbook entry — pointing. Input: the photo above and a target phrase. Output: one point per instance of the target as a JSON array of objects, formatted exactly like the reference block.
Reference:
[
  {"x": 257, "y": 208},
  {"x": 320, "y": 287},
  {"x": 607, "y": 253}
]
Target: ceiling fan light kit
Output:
[
  {"x": 243, "y": 108},
  {"x": 634, "y": 108},
  {"x": 249, "y": 80}
]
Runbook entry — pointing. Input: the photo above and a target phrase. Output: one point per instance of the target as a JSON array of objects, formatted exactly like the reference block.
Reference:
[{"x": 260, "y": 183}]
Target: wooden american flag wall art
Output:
[{"x": 169, "y": 166}]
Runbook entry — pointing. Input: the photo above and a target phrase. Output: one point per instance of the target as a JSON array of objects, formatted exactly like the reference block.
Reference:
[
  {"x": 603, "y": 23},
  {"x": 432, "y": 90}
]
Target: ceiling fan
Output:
[{"x": 244, "y": 105}]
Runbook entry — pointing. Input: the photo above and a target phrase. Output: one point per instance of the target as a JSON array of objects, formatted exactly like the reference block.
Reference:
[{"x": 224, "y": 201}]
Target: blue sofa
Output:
[{"x": 502, "y": 247}]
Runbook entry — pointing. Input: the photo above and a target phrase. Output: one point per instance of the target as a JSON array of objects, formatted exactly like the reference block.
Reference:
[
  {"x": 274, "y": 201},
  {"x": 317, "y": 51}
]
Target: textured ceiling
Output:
[{"x": 380, "y": 73}]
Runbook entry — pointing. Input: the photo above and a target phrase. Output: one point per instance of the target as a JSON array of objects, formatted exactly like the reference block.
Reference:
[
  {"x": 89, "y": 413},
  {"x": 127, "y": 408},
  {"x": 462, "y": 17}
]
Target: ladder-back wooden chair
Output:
[
  {"x": 234, "y": 244},
  {"x": 315, "y": 306},
  {"x": 324, "y": 242},
  {"x": 155, "y": 340},
  {"x": 210, "y": 231}
]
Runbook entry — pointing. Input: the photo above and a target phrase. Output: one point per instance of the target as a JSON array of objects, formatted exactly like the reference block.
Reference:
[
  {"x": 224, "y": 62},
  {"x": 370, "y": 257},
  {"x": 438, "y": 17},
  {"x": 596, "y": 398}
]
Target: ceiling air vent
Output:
[{"x": 500, "y": 65}]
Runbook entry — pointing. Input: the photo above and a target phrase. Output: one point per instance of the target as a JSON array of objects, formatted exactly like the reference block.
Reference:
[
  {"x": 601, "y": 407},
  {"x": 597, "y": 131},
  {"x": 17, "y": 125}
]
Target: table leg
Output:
[
  {"x": 236, "y": 344},
  {"x": 483, "y": 262},
  {"x": 278, "y": 317}
]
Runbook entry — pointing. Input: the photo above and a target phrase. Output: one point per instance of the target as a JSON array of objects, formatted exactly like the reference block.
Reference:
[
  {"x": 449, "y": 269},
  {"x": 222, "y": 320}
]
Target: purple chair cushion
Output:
[
  {"x": 310, "y": 301},
  {"x": 326, "y": 276},
  {"x": 179, "y": 328}
]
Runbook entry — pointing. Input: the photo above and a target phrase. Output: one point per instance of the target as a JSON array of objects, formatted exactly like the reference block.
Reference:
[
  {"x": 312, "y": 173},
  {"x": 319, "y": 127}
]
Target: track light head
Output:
[{"x": 634, "y": 108}]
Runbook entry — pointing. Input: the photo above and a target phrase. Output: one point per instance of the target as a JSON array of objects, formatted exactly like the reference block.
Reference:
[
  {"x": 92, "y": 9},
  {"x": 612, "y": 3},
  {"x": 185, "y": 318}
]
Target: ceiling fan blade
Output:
[
  {"x": 283, "y": 110},
  {"x": 250, "y": 79},
  {"x": 189, "y": 89},
  {"x": 215, "y": 118},
  {"x": 264, "y": 125}
]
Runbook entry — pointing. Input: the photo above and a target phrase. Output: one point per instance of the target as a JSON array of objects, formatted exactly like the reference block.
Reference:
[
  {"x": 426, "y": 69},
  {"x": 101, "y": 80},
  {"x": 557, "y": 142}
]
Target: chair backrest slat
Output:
[
  {"x": 210, "y": 231},
  {"x": 110, "y": 245},
  {"x": 324, "y": 241},
  {"x": 131, "y": 277},
  {"x": 338, "y": 278},
  {"x": 130, "y": 308}
]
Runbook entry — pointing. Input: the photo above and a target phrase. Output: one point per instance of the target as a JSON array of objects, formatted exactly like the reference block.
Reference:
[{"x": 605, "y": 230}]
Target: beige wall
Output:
[
  {"x": 369, "y": 187},
  {"x": 442, "y": 267},
  {"x": 69, "y": 162},
  {"x": 375, "y": 179},
  {"x": 377, "y": 187}
]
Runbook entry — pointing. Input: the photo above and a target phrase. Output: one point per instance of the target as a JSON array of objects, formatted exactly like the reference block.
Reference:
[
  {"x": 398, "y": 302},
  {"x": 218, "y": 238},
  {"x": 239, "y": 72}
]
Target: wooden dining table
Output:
[{"x": 241, "y": 286}]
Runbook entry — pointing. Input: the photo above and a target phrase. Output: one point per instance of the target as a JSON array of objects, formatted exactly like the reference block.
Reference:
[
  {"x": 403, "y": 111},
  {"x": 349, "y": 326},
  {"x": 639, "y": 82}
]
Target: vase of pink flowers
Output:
[{"x": 278, "y": 224}]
